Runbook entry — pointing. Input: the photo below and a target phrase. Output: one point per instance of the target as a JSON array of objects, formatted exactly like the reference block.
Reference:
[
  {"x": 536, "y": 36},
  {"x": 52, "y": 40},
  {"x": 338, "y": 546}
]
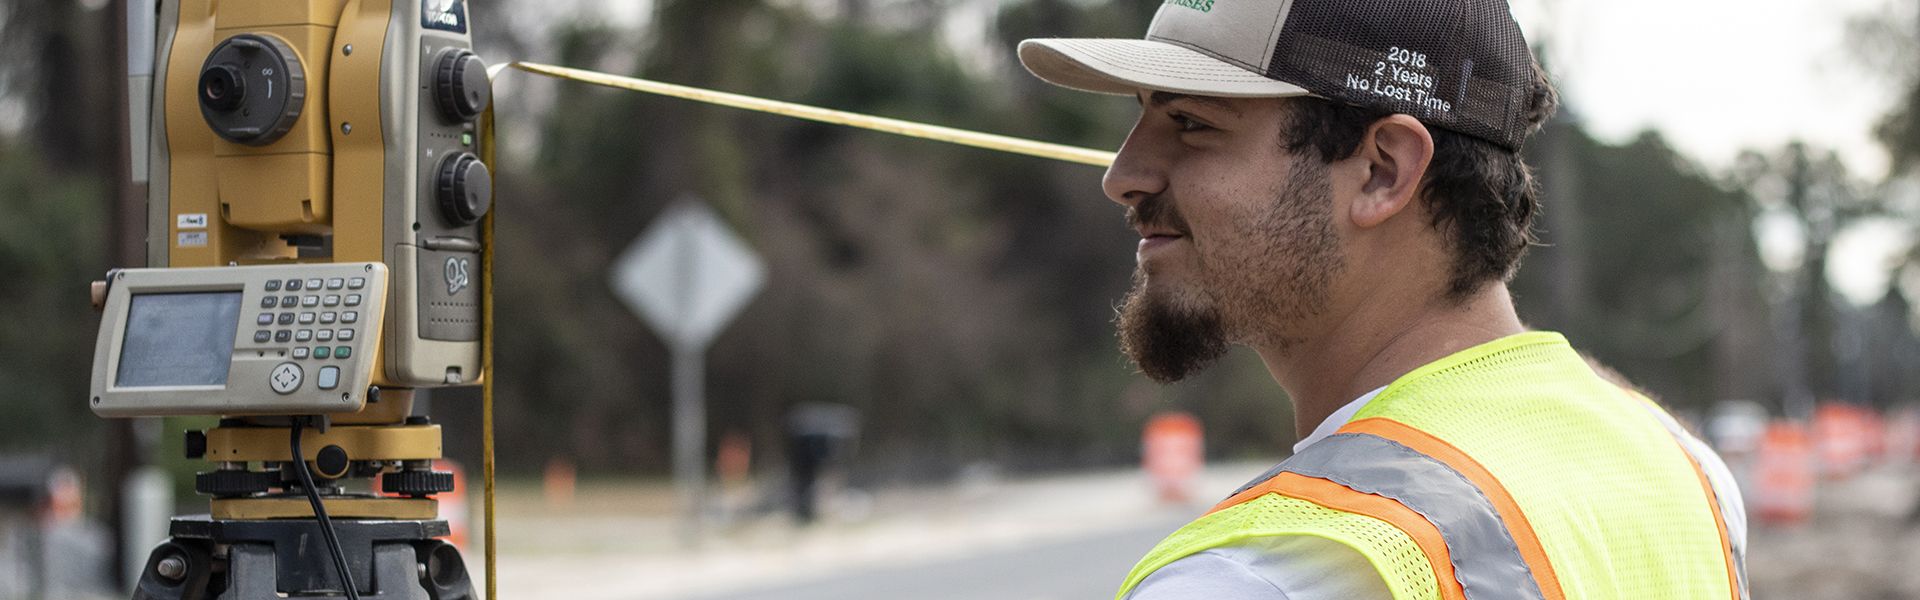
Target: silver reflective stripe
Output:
[
  {"x": 1694, "y": 447},
  {"x": 1486, "y": 561}
]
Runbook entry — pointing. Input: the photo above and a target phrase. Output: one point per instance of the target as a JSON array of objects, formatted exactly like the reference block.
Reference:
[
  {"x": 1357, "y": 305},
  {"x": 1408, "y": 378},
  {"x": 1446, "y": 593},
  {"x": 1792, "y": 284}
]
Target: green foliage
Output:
[{"x": 49, "y": 250}]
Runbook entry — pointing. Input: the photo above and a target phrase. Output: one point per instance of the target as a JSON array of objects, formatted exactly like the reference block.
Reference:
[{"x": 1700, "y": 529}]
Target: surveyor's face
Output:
[{"x": 1237, "y": 237}]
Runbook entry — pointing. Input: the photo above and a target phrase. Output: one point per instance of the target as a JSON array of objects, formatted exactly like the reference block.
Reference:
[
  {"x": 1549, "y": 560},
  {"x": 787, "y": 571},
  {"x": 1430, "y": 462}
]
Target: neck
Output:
[{"x": 1378, "y": 341}]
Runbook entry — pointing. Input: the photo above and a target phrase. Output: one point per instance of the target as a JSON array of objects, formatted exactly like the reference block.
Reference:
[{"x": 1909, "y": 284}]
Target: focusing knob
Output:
[
  {"x": 224, "y": 483},
  {"x": 465, "y": 189},
  {"x": 460, "y": 84},
  {"x": 416, "y": 483},
  {"x": 252, "y": 89}
]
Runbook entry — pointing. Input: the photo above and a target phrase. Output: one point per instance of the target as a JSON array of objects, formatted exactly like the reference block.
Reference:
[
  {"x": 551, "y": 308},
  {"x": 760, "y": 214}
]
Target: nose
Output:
[{"x": 1136, "y": 172}]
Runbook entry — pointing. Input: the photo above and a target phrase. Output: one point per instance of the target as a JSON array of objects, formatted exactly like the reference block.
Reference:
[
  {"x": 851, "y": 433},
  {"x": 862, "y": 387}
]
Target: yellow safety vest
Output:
[{"x": 1507, "y": 470}]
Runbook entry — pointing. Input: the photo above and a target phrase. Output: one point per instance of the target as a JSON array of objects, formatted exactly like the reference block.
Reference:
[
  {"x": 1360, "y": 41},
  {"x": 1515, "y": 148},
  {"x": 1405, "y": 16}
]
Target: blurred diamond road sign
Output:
[{"x": 688, "y": 275}]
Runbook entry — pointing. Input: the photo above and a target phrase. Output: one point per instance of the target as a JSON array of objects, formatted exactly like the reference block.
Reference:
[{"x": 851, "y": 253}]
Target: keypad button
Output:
[
  {"x": 262, "y": 336},
  {"x": 265, "y": 319},
  {"x": 356, "y": 283},
  {"x": 273, "y": 285},
  {"x": 300, "y": 352},
  {"x": 336, "y": 283},
  {"x": 268, "y": 302},
  {"x": 324, "y": 335},
  {"x": 285, "y": 378},
  {"x": 314, "y": 283},
  {"x": 303, "y": 335},
  {"x": 289, "y": 301},
  {"x": 352, "y": 316},
  {"x": 322, "y": 352},
  {"x": 283, "y": 336},
  {"x": 286, "y": 318},
  {"x": 306, "y": 318},
  {"x": 310, "y": 301},
  {"x": 329, "y": 317},
  {"x": 353, "y": 299},
  {"x": 293, "y": 285},
  {"x": 329, "y": 378},
  {"x": 330, "y": 300},
  {"x": 345, "y": 335},
  {"x": 343, "y": 352}
]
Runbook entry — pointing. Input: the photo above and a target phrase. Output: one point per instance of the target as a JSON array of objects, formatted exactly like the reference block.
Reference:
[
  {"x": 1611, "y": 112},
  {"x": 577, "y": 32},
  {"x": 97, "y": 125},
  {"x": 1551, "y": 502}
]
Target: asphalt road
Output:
[{"x": 1089, "y": 566}]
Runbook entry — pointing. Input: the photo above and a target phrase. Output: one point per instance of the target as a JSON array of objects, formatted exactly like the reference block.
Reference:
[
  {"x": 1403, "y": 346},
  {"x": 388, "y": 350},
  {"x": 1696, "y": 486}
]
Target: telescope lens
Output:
[{"x": 221, "y": 88}]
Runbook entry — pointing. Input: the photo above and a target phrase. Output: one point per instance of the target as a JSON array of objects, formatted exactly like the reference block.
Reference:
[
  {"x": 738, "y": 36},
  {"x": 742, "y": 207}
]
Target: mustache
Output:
[{"x": 1157, "y": 211}]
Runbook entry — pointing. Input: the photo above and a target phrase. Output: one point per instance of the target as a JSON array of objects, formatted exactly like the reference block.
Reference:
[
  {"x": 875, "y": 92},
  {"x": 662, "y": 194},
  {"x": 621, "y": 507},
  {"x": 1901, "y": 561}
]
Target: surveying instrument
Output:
[{"x": 315, "y": 243}]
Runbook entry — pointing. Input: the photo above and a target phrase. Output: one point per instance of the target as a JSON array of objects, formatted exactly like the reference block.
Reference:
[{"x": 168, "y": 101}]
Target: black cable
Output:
[{"x": 320, "y": 512}]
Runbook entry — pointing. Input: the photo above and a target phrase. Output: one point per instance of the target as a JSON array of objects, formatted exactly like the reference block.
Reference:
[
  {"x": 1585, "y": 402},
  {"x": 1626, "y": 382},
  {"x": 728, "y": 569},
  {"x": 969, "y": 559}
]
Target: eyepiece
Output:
[{"x": 222, "y": 88}]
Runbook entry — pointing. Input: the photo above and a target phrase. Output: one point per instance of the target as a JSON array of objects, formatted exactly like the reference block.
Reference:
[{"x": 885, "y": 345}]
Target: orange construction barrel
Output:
[
  {"x": 1784, "y": 472},
  {"x": 1172, "y": 451}
]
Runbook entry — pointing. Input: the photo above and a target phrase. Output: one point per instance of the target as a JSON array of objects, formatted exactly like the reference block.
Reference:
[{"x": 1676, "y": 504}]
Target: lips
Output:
[{"x": 1155, "y": 241}]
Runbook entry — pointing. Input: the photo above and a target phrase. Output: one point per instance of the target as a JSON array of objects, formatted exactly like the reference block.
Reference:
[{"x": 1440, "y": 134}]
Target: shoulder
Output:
[{"x": 1278, "y": 567}]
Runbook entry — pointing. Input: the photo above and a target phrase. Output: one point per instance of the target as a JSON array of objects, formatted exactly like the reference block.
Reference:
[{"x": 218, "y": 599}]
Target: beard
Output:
[{"x": 1256, "y": 283}]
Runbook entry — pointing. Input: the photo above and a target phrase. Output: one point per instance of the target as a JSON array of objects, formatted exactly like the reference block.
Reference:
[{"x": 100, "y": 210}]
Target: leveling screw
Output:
[{"x": 172, "y": 567}]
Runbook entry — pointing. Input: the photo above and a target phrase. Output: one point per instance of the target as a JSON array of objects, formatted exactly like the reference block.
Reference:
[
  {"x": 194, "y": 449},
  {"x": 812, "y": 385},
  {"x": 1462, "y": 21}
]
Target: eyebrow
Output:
[{"x": 1165, "y": 98}]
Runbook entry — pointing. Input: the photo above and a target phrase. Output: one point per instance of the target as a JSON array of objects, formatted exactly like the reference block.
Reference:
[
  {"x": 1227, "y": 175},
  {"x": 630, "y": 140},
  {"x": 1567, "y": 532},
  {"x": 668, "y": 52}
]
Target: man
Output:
[{"x": 1337, "y": 184}]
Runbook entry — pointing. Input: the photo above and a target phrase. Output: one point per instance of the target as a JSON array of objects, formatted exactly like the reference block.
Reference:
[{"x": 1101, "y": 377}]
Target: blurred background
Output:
[{"x": 925, "y": 399}]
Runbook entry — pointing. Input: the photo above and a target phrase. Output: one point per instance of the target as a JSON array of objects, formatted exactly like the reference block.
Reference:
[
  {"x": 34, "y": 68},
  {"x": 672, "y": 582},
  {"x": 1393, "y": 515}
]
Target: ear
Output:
[{"x": 1395, "y": 152}]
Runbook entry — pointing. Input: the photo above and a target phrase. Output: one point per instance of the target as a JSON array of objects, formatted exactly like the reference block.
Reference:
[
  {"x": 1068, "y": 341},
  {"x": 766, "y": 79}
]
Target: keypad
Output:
[{"x": 330, "y": 341}]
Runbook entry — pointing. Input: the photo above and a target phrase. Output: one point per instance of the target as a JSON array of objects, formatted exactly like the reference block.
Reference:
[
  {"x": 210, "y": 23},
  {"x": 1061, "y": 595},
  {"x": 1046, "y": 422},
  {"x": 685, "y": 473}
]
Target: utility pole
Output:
[{"x": 126, "y": 231}]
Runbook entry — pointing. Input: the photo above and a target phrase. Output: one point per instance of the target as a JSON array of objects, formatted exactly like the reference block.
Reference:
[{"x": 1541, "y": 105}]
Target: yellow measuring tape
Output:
[
  {"x": 1074, "y": 154},
  {"x": 1085, "y": 156}
]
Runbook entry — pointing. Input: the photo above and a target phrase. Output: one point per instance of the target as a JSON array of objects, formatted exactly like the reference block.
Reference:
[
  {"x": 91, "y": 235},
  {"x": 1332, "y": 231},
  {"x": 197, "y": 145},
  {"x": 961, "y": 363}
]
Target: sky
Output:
[{"x": 1716, "y": 77}]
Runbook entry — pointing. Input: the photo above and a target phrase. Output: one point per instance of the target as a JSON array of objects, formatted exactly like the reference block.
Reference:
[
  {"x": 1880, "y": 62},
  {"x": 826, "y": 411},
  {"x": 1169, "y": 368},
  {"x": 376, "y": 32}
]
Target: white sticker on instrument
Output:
[
  {"x": 192, "y": 239},
  {"x": 191, "y": 221}
]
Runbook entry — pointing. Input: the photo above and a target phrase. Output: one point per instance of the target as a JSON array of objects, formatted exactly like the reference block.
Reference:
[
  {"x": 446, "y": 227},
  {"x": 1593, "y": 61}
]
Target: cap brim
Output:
[{"x": 1121, "y": 66}]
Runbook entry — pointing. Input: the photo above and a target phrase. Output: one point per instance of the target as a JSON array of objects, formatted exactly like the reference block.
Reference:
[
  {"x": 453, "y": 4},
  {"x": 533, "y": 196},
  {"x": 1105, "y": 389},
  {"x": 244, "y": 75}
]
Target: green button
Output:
[
  {"x": 322, "y": 351},
  {"x": 343, "y": 352},
  {"x": 466, "y": 139}
]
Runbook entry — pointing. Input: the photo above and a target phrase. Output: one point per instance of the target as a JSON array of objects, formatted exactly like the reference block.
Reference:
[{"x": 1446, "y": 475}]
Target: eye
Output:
[{"x": 1186, "y": 123}]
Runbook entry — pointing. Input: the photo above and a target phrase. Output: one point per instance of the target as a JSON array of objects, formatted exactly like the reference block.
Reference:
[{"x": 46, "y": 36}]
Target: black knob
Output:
[
  {"x": 418, "y": 484},
  {"x": 331, "y": 461},
  {"x": 225, "y": 483},
  {"x": 465, "y": 188},
  {"x": 460, "y": 84}
]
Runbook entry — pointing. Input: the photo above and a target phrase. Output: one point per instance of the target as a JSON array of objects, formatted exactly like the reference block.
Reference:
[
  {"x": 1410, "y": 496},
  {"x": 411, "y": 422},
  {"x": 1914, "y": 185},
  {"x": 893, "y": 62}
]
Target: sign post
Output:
[{"x": 687, "y": 276}]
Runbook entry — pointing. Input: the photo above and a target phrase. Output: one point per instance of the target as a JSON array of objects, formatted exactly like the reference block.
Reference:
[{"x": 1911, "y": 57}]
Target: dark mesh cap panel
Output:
[{"x": 1457, "y": 64}]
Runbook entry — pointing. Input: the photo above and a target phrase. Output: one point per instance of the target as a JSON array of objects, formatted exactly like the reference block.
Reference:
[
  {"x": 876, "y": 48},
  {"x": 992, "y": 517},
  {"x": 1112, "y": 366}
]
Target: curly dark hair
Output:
[{"x": 1483, "y": 196}]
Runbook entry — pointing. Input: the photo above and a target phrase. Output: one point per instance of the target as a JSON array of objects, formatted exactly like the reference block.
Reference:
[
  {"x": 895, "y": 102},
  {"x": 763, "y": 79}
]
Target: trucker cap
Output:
[{"x": 1456, "y": 64}]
